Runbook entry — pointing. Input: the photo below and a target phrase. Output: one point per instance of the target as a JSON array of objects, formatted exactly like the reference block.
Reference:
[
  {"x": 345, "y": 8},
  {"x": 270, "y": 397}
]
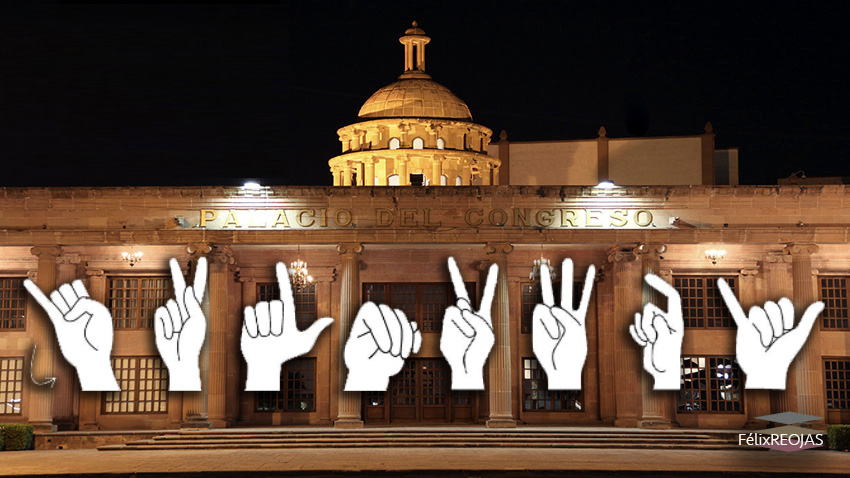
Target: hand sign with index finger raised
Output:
[
  {"x": 767, "y": 340},
  {"x": 660, "y": 334},
  {"x": 468, "y": 334},
  {"x": 270, "y": 336},
  {"x": 559, "y": 333}
]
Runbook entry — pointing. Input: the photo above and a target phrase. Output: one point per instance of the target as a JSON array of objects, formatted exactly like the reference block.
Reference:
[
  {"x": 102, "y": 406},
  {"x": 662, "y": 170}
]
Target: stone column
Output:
[
  {"x": 466, "y": 176},
  {"x": 403, "y": 177},
  {"x": 195, "y": 412},
  {"x": 346, "y": 174},
  {"x": 758, "y": 401},
  {"x": 369, "y": 172},
  {"x": 220, "y": 259},
  {"x": 436, "y": 170},
  {"x": 499, "y": 363},
  {"x": 348, "y": 402},
  {"x": 605, "y": 343},
  {"x": 484, "y": 170},
  {"x": 67, "y": 384},
  {"x": 90, "y": 401},
  {"x": 41, "y": 398},
  {"x": 810, "y": 397},
  {"x": 628, "y": 362},
  {"x": 658, "y": 406},
  {"x": 779, "y": 286}
]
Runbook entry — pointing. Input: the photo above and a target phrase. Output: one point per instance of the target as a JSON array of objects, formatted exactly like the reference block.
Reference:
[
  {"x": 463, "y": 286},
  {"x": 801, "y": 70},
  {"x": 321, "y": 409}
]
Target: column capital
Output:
[
  {"x": 794, "y": 249},
  {"x": 777, "y": 257},
  {"x": 95, "y": 272},
  {"x": 32, "y": 275},
  {"x": 622, "y": 253},
  {"x": 666, "y": 274},
  {"x": 69, "y": 259},
  {"x": 650, "y": 248},
  {"x": 345, "y": 248},
  {"x": 498, "y": 248},
  {"x": 221, "y": 255},
  {"x": 749, "y": 272},
  {"x": 46, "y": 251},
  {"x": 199, "y": 248}
]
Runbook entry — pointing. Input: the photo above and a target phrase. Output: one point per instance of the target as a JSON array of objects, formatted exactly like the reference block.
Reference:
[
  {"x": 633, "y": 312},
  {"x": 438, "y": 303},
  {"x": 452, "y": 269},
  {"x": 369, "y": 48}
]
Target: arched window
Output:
[
  {"x": 458, "y": 181},
  {"x": 441, "y": 143},
  {"x": 418, "y": 143},
  {"x": 395, "y": 143},
  {"x": 376, "y": 183},
  {"x": 392, "y": 180},
  {"x": 444, "y": 180}
]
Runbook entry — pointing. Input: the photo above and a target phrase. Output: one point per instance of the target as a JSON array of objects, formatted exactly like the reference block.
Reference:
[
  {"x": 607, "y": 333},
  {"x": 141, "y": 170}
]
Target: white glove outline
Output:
[
  {"x": 180, "y": 329},
  {"x": 468, "y": 337},
  {"x": 662, "y": 343},
  {"x": 380, "y": 341},
  {"x": 83, "y": 329},
  {"x": 767, "y": 340},
  {"x": 270, "y": 336},
  {"x": 559, "y": 334}
]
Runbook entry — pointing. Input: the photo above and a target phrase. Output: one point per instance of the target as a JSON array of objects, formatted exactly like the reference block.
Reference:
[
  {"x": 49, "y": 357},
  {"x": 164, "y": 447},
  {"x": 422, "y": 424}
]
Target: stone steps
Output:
[{"x": 474, "y": 438}]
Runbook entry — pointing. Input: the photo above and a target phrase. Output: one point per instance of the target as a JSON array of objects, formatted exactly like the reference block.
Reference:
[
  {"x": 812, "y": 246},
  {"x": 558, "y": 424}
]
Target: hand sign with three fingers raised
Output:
[
  {"x": 660, "y": 334},
  {"x": 180, "y": 329},
  {"x": 84, "y": 331},
  {"x": 558, "y": 333},
  {"x": 767, "y": 340},
  {"x": 380, "y": 341},
  {"x": 270, "y": 336},
  {"x": 468, "y": 334}
]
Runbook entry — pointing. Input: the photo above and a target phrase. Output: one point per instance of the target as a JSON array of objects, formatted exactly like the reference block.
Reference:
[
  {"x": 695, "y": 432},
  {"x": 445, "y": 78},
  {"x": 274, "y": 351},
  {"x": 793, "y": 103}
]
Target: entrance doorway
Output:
[{"x": 420, "y": 394}]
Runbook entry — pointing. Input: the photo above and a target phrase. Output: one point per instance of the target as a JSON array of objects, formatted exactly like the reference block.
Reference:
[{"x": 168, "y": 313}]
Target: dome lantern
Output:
[{"x": 414, "y": 41}]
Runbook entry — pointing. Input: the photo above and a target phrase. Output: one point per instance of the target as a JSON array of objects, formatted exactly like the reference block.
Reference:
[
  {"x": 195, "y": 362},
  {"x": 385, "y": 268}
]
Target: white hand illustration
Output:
[
  {"x": 767, "y": 340},
  {"x": 270, "y": 336},
  {"x": 661, "y": 336},
  {"x": 381, "y": 339},
  {"x": 180, "y": 329},
  {"x": 468, "y": 334},
  {"x": 558, "y": 333},
  {"x": 84, "y": 332}
]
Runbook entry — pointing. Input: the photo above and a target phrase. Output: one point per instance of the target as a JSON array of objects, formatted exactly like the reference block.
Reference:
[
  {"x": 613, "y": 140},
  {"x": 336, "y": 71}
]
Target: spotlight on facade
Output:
[
  {"x": 715, "y": 255},
  {"x": 253, "y": 186},
  {"x": 606, "y": 185}
]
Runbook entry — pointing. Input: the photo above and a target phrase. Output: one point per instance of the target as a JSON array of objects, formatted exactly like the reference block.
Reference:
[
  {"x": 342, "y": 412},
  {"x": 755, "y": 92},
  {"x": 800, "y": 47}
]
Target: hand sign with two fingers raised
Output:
[
  {"x": 558, "y": 333},
  {"x": 767, "y": 340},
  {"x": 660, "y": 334},
  {"x": 270, "y": 336},
  {"x": 84, "y": 332},
  {"x": 468, "y": 334},
  {"x": 180, "y": 329}
]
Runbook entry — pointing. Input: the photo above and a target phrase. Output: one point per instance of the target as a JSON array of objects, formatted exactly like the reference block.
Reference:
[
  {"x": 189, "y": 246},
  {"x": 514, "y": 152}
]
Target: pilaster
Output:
[
  {"x": 627, "y": 354},
  {"x": 499, "y": 363},
  {"x": 348, "y": 402},
  {"x": 195, "y": 411}
]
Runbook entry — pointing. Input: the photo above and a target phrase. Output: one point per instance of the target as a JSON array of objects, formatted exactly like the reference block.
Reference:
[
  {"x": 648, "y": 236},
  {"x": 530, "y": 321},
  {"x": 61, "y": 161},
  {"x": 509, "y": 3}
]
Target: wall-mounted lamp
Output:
[
  {"x": 132, "y": 257},
  {"x": 715, "y": 255}
]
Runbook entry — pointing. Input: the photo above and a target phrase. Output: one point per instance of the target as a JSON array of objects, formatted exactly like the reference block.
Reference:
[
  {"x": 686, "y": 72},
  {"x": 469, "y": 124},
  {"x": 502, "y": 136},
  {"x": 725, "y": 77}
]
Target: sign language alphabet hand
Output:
[
  {"x": 180, "y": 328},
  {"x": 767, "y": 340},
  {"x": 558, "y": 333},
  {"x": 660, "y": 334},
  {"x": 380, "y": 341},
  {"x": 84, "y": 332},
  {"x": 270, "y": 336},
  {"x": 468, "y": 334}
]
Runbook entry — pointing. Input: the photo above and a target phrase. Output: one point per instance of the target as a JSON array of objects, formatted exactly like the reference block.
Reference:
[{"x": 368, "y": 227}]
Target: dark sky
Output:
[{"x": 215, "y": 94}]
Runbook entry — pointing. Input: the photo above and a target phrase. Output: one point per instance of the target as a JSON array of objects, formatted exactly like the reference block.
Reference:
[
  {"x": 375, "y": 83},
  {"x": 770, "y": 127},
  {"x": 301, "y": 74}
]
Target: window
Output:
[
  {"x": 443, "y": 180},
  {"x": 13, "y": 303},
  {"x": 305, "y": 301},
  {"x": 133, "y": 300},
  {"x": 710, "y": 385},
  {"x": 531, "y": 297},
  {"x": 393, "y": 180},
  {"x": 837, "y": 383},
  {"x": 536, "y": 395},
  {"x": 425, "y": 303},
  {"x": 11, "y": 384},
  {"x": 395, "y": 143},
  {"x": 297, "y": 389},
  {"x": 702, "y": 305},
  {"x": 144, "y": 386},
  {"x": 418, "y": 143},
  {"x": 458, "y": 181},
  {"x": 417, "y": 179},
  {"x": 441, "y": 143},
  {"x": 833, "y": 293}
]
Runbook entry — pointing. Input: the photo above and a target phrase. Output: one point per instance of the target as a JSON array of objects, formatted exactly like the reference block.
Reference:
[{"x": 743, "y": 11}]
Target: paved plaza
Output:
[{"x": 421, "y": 462}]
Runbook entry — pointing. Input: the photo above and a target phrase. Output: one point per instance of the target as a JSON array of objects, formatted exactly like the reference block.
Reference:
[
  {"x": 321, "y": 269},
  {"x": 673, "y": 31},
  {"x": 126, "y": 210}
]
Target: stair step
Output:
[{"x": 459, "y": 444}]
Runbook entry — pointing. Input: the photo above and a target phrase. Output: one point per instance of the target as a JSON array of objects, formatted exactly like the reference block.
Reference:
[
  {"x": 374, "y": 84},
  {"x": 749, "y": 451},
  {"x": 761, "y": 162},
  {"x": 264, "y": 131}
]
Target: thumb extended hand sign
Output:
[{"x": 468, "y": 334}]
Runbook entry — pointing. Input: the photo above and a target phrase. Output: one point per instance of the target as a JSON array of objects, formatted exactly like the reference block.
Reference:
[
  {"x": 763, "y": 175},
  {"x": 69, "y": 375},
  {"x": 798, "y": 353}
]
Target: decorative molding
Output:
[
  {"x": 72, "y": 259},
  {"x": 666, "y": 274},
  {"x": 777, "y": 257},
  {"x": 46, "y": 251},
  {"x": 32, "y": 275},
  {"x": 650, "y": 248},
  {"x": 198, "y": 248},
  {"x": 749, "y": 272},
  {"x": 95, "y": 272}
]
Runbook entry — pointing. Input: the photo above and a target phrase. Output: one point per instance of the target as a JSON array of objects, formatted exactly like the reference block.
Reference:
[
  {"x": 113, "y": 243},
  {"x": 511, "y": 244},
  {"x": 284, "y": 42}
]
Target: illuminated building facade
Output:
[{"x": 364, "y": 242}]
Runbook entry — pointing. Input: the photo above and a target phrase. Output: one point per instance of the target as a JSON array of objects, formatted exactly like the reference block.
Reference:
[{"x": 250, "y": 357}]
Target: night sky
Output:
[{"x": 216, "y": 94}]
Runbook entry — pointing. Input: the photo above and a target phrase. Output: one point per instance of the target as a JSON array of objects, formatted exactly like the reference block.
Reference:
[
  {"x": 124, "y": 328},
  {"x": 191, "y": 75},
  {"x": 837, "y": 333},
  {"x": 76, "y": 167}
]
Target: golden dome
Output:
[{"x": 417, "y": 98}]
